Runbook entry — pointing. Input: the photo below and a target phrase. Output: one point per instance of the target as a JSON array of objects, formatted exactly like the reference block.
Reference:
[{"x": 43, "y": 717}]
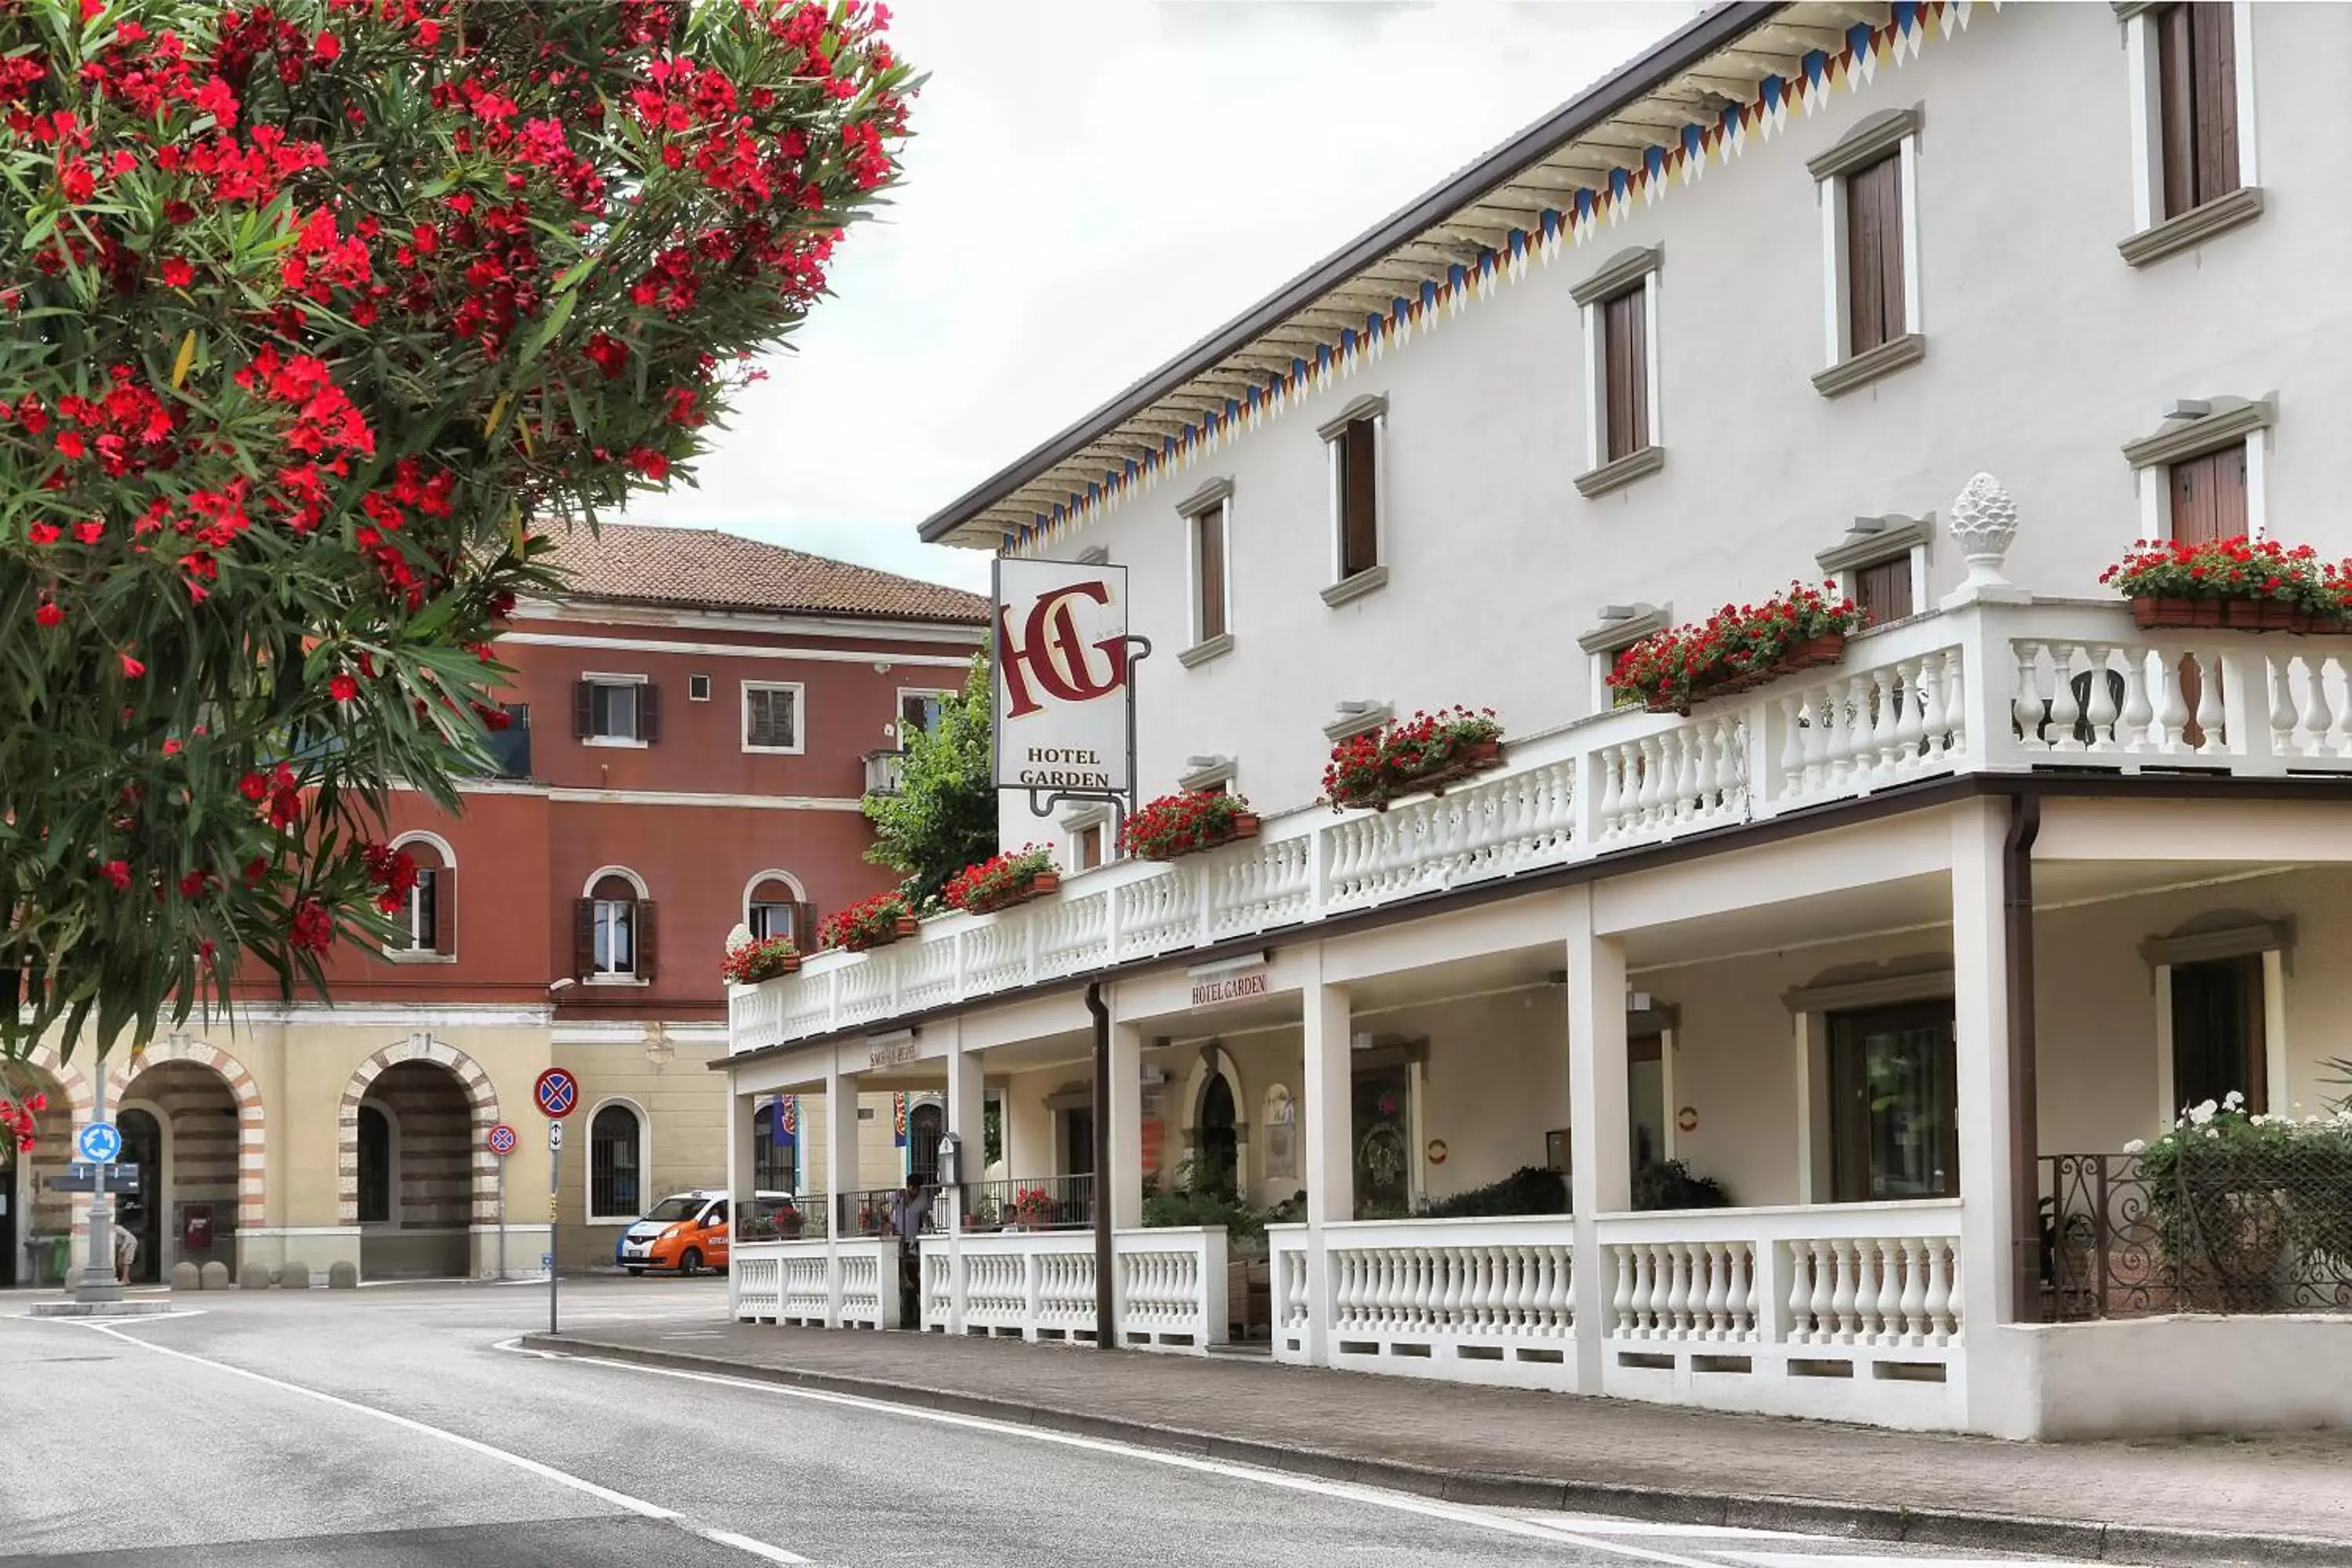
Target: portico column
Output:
[
  {"x": 1599, "y": 1157},
  {"x": 742, "y": 1183},
  {"x": 841, "y": 1161},
  {"x": 1330, "y": 1169},
  {"x": 1997, "y": 1399},
  {"x": 965, "y": 1109},
  {"x": 1122, "y": 1185}
]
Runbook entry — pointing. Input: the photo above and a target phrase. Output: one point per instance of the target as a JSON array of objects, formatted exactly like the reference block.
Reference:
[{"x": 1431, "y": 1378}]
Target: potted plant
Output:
[
  {"x": 1033, "y": 1208},
  {"x": 1427, "y": 751},
  {"x": 878, "y": 921},
  {"x": 999, "y": 882},
  {"x": 748, "y": 964},
  {"x": 1186, "y": 823},
  {"x": 2257, "y": 586},
  {"x": 1738, "y": 646}
]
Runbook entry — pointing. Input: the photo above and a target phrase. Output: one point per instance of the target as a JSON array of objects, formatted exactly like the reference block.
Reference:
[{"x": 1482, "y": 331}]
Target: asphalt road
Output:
[{"x": 396, "y": 1427}]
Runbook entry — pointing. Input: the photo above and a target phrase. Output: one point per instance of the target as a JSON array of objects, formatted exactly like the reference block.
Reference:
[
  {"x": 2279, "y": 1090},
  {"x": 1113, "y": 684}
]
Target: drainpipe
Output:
[
  {"x": 1106, "y": 1304},
  {"x": 2025, "y": 1134}
]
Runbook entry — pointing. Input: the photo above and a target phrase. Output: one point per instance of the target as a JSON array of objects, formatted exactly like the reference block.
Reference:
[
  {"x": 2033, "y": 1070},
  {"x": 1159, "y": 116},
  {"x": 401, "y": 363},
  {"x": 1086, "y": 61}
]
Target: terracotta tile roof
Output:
[{"x": 639, "y": 563}]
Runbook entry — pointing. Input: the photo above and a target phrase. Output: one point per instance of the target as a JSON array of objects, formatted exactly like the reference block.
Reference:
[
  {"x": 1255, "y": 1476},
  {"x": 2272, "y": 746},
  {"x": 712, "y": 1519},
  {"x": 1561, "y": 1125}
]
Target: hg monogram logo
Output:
[{"x": 1049, "y": 654}]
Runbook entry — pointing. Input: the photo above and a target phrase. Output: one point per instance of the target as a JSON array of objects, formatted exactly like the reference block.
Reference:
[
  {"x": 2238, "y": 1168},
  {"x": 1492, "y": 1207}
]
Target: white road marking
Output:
[
  {"x": 1347, "y": 1493},
  {"x": 622, "y": 1500}
]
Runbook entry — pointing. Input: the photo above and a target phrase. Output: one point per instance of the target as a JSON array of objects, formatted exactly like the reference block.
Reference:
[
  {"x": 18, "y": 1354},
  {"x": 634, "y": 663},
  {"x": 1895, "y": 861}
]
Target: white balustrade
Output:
[
  {"x": 870, "y": 1283},
  {"x": 758, "y": 1285},
  {"x": 792, "y": 1282},
  {"x": 1484, "y": 1301},
  {"x": 1991, "y": 687},
  {"x": 1040, "y": 1285}
]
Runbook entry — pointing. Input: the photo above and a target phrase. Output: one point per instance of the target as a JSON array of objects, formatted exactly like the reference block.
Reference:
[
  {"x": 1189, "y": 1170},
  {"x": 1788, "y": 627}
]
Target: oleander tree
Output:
[{"x": 314, "y": 317}]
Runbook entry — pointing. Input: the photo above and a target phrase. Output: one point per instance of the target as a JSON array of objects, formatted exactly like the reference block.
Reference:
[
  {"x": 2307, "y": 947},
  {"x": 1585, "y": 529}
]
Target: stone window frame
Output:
[
  {"x": 2224, "y": 422},
  {"x": 1332, "y": 433},
  {"x": 1895, "y": 536},
  {"x": 2274, "y": 941},
  {"x": 1896, "y": 130},
  {"x": 1639, "y": 266},
  {"x": 2155, "y": 237},
  {"x": 1217, "y": 496}
]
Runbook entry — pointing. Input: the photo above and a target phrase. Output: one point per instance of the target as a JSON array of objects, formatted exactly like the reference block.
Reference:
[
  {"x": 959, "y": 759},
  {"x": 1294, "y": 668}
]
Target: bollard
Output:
[
  {"x": 294, "y": 1277},
  {"x": 185, "y": 1276},
  {"x": 344, "y": 1275},
  {"x": 253, "y": 1278},
  {"x": 215, "y": 1275}
]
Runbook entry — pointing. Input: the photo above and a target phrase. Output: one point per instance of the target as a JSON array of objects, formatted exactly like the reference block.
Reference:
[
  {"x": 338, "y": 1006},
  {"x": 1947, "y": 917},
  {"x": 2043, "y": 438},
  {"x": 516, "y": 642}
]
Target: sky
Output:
[{"x": 1093, "y": 186}]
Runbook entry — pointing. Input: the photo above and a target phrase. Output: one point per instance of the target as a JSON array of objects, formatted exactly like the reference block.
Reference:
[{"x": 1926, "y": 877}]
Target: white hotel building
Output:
[{"x": 1901, "y": 952}]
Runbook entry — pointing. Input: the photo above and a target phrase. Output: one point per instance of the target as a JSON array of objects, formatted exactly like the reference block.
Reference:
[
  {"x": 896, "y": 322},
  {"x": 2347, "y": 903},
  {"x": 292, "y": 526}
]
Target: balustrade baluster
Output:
[
  {"x": 1716, "y": 1325},
  {"x": 2212, "y": 717},
  {"x": 1889, "y": 1327},
  {"x": 2026, "y": 705},
  {"x": 1912, "y": 1306},
  {"x": 1943, "y": 1293},
  {"x": 2101, "y": 713},
  {"x": 2172, "y": 706},
  {"x": 1678, "y": 1289},
  {"x": 2065, "y": 710},
  {"x": 1824, "y": 1298},
  {"x": 2316, "y": 720},
  {"x": 2132, "y": 724}
]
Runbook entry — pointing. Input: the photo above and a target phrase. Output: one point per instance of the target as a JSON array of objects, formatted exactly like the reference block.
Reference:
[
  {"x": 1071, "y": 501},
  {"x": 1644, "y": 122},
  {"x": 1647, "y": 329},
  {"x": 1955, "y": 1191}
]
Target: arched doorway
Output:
[
  {"x": 925, "y": 1124},
  {"x": 146, "y": 1144},
  {"x": 187, "y": 1209},
  {"x": 417, "y": 1129},
  {"x": 33, "y": 1213},
  {"x": 1217, "y": 1154}
]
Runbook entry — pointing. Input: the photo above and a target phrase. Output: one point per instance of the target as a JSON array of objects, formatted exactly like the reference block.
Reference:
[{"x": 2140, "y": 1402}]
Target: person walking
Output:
[{"x": 909, "y": 1207}]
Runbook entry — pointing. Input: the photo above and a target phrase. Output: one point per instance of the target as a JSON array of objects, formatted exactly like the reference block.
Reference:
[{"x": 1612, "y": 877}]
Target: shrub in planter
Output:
[
  {"x": 1669, "y": 1184},
  {"x": 2240, "y": 1201},
  {"x": 1423, "y": 752},
  {"x": 752, "y": 961},
  {"x": 2251, "y": 584},
  {"x": 1737, "y": 647},
  {"x": 1182, "y": 824},
  {"x": 1532, "y": 1189},
  {"x": 1002, "y": 880},
  {"x": 880, "y": 920}
]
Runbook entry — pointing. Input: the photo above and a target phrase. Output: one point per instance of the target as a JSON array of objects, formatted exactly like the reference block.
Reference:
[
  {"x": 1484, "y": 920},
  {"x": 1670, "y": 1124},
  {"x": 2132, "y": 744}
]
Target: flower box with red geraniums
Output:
[
  {"x": 1186, "y": 823},
  {"x": 1740, "y": 646},
  {"x": 999, "y": 882},
  {"x": 1426, "y": 752},
  {"x": 877, "y": 922},
  {"x": 2246, "y": 585},
  {"x": 752, "y": 961}
]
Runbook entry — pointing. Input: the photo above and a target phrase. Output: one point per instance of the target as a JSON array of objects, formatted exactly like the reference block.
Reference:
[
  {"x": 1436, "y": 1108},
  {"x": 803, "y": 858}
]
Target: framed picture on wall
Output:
[{"x": 1556, "y": 1149}]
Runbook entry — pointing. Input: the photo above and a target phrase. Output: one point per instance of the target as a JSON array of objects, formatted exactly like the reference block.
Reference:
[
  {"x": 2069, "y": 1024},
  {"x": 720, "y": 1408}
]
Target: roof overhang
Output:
[{"x": 1707, "y": 85}]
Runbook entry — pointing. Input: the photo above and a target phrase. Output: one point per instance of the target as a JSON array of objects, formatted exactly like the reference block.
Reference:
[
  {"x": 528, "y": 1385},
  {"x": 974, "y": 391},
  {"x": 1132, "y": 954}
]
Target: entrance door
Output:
[
  {"x": 142, "y": 1145},
  {"x": 1078, "y": 1143},
  {"x": 1645, "y": 1096},
  {"x": 1893, "y": 1104},
  {"x": 1384, "y": 1129},
  {"x": 1217, "y": 1164}
]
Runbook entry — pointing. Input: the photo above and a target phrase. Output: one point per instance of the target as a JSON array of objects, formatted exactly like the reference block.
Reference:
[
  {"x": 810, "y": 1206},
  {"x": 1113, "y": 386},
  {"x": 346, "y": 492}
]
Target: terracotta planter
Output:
[
  {"x": 1244, "y": 824},
  {"x": 905, "y": 925},
  {"x": 2238, "y": 615},
  {"x": 1811, "y": 653},
  {"x": 1036, "y": 886}
]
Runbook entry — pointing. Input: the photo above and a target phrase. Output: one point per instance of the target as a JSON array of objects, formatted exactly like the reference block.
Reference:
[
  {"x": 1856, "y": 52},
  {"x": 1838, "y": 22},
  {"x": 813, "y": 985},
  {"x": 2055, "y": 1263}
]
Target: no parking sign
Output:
[{"x": 502, "y": 1139}]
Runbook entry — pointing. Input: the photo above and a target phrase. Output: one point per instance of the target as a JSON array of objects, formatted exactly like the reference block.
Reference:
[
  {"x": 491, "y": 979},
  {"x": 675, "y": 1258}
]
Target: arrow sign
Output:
[
  {"x": 554, "y": 1136},
  {"x": 557, "y": 1093}
]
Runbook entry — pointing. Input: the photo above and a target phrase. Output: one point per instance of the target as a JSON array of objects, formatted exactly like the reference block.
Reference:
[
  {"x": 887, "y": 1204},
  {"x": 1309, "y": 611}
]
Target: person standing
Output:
[
  {"x": 909, "y": 1207},
  {"x": 126, "y": 1246}
]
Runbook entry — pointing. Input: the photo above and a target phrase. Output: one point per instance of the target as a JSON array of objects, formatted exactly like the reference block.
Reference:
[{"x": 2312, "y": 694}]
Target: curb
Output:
[{"x": 2153, "y": 1546}]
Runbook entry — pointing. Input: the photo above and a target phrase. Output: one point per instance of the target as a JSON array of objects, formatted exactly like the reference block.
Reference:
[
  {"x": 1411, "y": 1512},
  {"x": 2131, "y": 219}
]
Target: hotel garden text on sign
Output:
[
  {"x": 1063, "y": 693},
  {"x": 1233, "y": 985}
]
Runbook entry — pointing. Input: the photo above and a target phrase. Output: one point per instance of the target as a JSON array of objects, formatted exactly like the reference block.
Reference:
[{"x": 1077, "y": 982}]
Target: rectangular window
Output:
[
  {"x": 2207, "y": 495},
  {"x": 921, "y": 710},
  {"x": 1625, "y": 374},
  {"x": 614, "y": 931},
  {"x": 697, "y": 689},
  {"x": 2197, "y": 103},
  {"x": 2218, "y": 1039},
  {"x": 615, "y": 711},
  {"x": 424, "y": 912},
  {"x": 1893, "y": 1104},
  {"x": 613, "y": 715},
  {"x": 1357, "y": 451},
  {"x": 770, "y": 717},
  {"x": 1086, "y": 848},
  {"x": 1883, "y": 589},
  {"x": 770, "y": 920},
  {"x": 1874, "y": 254},
  {"x": 1211, "y": 593}
]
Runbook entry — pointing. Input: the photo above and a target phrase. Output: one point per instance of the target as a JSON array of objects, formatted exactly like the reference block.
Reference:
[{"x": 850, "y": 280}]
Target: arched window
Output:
[
  {"x": 616, "y": 1162},
  {"x": 375, "y": 1165},
  {"x": 1217, "y": 1164},
  {"x": 432, "y": 914},
  {"x": 772, "y": 907},
  {"x": 613, "y": 929},
  {"x": 775, "y": 1149}
]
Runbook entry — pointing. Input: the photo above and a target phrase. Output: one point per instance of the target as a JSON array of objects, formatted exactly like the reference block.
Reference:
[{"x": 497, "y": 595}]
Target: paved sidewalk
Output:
[{"x": 2174, "y": 1500}]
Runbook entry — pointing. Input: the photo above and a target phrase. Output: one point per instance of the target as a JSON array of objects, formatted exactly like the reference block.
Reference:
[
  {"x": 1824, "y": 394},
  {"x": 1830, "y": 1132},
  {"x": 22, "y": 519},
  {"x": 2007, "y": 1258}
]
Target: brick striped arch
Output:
[
  {"x": 68, "y": 1075},
  {"x": 483, "y": 1099},
  {"x": 252, "y": 1142}
]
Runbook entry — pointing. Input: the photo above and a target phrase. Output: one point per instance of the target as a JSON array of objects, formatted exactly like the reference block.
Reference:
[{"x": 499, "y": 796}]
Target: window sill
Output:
[
  {"x": 2193, "y": 228},
  {"x": 1860, "y": 369},
  {"x": 411, "y": 955},
  {"x": 614, "y": 979},
  {"x": 613, "y": 1218},
  {"x": 1623, "y": 470},
  {"x": 1201, "y": 652},
  {"x": 1370, "y": 579},
  {"x": 621, "y": 740},
  {"x": 775, "y": 751}
]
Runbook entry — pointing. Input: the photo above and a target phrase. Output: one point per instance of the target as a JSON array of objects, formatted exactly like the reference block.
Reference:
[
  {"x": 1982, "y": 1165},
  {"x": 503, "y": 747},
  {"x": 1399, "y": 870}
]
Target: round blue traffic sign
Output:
[
  {"x": 100, "y": 1142},
  {"x": 557, "y": 1093}
]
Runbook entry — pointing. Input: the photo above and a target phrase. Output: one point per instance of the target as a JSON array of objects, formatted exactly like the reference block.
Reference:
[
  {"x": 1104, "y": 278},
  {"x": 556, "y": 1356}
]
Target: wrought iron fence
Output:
[
  {"x": 2235, "y": 1229},
  {"x": 872, "y": 1212},
  {"x": 1031, "y": 1202},
  {"x": 770, "y": 1219}
]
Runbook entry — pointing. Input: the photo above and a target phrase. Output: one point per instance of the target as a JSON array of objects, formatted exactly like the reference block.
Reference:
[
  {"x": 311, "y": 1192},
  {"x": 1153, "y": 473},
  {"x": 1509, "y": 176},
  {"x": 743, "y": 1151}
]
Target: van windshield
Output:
[{"x": 669, "y": 1211}]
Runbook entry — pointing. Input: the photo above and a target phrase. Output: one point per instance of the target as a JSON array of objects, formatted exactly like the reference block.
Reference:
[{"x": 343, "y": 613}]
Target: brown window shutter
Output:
[
  {"x": 583, "y": 937},
  {"x": 805, "y": 927},
  {"x": 1624, "y": 331},
  {"x": 2175, "y": 108},
  {"x": 1885, "y": 590},
  {"x": 583, "y": 710},
  {"x": 648, "y": 713},
  {"x": 1360, "y": 547},
  {"x": 1874, "y": 254},
  {"x": 2209, "y": 496},
  {"x": 646, "y": 945},
  {"x": 1210, "y": 528},
  {"x": 2214, "y": 46},
  {"x": 444, "y": 935}
]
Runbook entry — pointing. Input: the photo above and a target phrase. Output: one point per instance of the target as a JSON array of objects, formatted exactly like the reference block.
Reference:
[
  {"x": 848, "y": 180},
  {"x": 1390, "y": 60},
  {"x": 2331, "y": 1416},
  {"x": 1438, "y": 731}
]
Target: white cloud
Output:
[{"x": 1093, "y": 186}]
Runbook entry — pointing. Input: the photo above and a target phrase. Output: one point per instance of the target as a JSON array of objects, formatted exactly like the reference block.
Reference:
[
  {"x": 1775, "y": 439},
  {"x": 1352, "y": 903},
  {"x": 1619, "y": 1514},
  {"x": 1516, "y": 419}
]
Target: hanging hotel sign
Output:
[
  {"x": 1234, "y": 980},
  {"x": 1064, "y": 699},
  {"x": 890, "y": 1050}
]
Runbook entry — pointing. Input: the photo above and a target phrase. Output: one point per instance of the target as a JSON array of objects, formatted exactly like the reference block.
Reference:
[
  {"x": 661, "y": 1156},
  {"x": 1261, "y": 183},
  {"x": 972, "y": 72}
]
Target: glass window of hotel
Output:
[
  {"x": 1894, "y": 1104},
  {"x": 616, "y": 1139}
]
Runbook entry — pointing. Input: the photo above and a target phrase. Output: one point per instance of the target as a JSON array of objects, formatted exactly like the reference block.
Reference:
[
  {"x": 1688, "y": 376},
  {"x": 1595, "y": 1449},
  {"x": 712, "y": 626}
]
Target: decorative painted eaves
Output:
[{"x": 1536, "y": 213}]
